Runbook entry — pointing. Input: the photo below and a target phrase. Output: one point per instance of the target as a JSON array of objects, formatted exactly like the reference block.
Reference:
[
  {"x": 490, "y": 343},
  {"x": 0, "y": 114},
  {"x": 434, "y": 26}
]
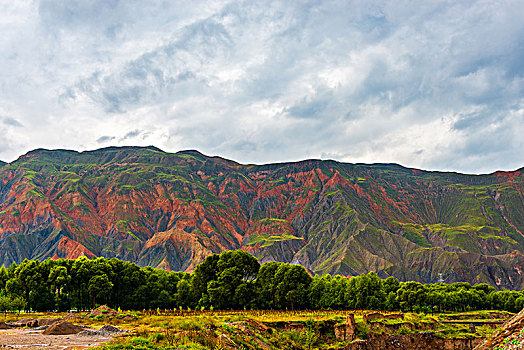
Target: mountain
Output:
[
  {"x": 172, "y": 210},
  {"x": 2, "y": 163}
]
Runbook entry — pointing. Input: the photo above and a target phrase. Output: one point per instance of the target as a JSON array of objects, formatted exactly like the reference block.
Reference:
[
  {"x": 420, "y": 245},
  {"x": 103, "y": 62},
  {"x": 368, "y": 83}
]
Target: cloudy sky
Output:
[{"x": 430, "y": 84}]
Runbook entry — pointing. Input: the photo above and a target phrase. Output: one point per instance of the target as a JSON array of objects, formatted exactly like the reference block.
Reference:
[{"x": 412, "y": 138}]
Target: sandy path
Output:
[{"x": 27, "y": 339}]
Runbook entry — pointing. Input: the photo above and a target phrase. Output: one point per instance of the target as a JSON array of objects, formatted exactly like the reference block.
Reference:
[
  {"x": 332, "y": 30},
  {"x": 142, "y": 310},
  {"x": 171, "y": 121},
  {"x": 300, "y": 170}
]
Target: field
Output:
[{"x": 187, "y": 329}]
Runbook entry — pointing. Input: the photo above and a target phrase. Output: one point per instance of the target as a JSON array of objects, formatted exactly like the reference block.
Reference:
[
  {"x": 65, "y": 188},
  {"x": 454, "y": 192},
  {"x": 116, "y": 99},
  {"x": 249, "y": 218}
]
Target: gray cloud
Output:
[
  {"x": 425, "y": 84},
  {"x": 11, "y": 122},
  {"x": 131, "y": 135},
  {"x": 104, "y": 139}
]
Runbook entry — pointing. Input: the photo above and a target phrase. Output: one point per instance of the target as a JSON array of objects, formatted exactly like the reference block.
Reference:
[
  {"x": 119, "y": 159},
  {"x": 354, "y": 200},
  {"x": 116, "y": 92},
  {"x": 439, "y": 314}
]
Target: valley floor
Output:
[{"x": 186, "y": 329}]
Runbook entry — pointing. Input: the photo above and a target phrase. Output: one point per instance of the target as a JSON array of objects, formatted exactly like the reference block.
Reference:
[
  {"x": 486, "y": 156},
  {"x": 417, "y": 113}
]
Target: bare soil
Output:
[
  {"x": 104, "y": 311},
  {"x": 29, "y": 339},
  {"x": 63, "y": 328}
]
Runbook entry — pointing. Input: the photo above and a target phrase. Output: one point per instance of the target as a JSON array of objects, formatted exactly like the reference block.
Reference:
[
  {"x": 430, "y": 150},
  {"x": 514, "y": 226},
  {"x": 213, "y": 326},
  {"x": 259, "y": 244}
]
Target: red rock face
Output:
[
  {"x": 69, "y": 249},
  {"x": 173, "y": 210}
]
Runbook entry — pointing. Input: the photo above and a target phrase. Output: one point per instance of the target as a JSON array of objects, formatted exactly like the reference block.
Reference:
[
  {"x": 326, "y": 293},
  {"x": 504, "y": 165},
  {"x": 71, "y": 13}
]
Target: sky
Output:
[{"x": 436, "y": 85}]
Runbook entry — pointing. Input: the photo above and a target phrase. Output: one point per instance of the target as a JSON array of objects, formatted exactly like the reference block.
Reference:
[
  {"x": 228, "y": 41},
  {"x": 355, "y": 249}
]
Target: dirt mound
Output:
[
  {"x": 72, "y": 316},
  {"x": 106, "y": 330},
  {"x": 109, "y": 329},
  {"x": 47, "y": 321},
  {"x": 104, "y": 311},
  {"x": 27, "y": 322},
  {"x": 510, "y": 333},
  {"x": 63, "y": 328}
]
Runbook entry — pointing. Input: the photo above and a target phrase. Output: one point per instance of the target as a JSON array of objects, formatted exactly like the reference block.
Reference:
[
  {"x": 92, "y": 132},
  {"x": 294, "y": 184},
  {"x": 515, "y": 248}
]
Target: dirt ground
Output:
[{"x": 28, "y": 339}]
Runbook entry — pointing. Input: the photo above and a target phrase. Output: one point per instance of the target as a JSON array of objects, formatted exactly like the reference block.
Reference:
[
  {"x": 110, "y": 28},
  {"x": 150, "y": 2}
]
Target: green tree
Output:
[
  {"x": 317, "y": 289},
  {"x": 80, "y": 276},
  {"x": 233, "y": 269},
  {"x": 265, "y": 285},
  {"x": 519, "y": 303},
  {"x": 59, "y": 279},
  {"x": 391, "y": 303},
  {"x": 291, "y": 291},
  {"x": 203, "y": 274},
  {"x": 245, "y": 295},
  {"x": 338, "y": 289},
  {"x": 4, "y": 277},
  {"x": 18, "y": 303},
  {"x": 6, "y": 304},
  {"x": 29, "y": 277},
  {"x": 390, "y": 284},
  {"x": 366, "y": 292},
  {"x": 13, "y": 287},
  {"x": 99, "y": 288},
  {"x": 183, "y": 295},
  {"x": 129, "y": 280}
]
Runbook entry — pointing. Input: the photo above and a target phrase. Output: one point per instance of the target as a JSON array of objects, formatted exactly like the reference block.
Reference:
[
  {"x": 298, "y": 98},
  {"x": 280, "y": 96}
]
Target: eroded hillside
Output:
[{"x": 172, "y": 210}]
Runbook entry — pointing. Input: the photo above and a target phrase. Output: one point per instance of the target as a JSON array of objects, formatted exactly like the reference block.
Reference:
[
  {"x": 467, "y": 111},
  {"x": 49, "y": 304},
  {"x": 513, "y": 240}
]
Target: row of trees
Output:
[{"x": 231, "y": 280}]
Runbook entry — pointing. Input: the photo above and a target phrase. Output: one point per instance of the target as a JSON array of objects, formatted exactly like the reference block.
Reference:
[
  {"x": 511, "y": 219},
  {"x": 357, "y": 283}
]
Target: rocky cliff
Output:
[{"x": 172, "y": 210}]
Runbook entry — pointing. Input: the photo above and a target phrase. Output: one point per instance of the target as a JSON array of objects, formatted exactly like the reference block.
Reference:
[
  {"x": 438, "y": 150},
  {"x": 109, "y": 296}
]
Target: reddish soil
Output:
[{"x": 104, "y": 311}]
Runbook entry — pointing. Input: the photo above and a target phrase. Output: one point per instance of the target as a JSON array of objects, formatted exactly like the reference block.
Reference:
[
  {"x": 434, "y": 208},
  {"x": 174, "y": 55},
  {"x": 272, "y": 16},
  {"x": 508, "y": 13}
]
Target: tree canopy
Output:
[{"x": 231, "y": 280}]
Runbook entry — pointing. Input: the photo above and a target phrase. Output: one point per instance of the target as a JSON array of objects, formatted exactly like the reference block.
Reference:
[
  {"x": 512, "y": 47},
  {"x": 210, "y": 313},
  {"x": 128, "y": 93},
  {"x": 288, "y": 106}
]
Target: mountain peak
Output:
[
  {"x": 192, "y": 152},
  {"x": 200, "y": 155},
  {"x": 124, "y": 148},
  {"x": 38, "y": 151}
]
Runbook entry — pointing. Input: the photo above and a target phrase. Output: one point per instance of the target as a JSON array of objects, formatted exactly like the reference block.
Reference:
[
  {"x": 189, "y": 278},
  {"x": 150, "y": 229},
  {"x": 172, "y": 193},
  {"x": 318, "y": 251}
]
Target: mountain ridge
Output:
[
  {"x": 173, "y": 209},
  {"x": 197, "y": 153}
]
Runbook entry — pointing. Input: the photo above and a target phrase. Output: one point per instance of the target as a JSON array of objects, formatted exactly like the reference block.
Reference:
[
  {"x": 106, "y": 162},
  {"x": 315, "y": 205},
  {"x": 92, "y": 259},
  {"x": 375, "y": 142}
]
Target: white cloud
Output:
[{"x": 427, "y": 84}]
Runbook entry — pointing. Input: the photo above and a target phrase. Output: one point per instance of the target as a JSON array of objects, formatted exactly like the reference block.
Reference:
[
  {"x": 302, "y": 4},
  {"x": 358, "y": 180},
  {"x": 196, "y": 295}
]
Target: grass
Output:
[
  {"x": 256, "y": 329},
  {"x": 464, "y": 236},
  {"x": 267, "y": 240}
]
